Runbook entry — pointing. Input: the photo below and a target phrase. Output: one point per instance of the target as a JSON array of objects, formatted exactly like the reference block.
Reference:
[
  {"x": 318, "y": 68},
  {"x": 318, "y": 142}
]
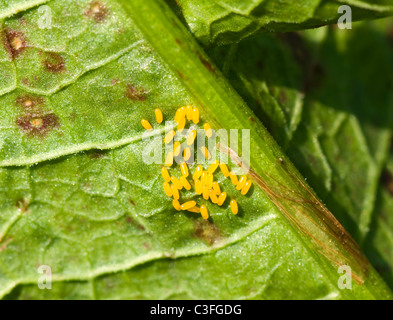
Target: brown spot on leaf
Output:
[
  {"x": 97, "y": 154},
  {"x": 140, "y": 227},
  {"x": 178, "y": 41},
  {"x": 29, "y": 102},
  {"x": 136, "y": 93},
  {"x": 37, "y": 124},
  {"x": 72, "y": 116},
  {"x": 21, "y": 204},
  {"x": 22, "y": 21},
  {"x": 5, "y": 244},
  {"x": 180, "y": 74},
  {"x": 97, "y": 11},
  {"x": 387, "y": 181},
  {"x": 206, "y": 63},
  {"x": 14, "y": 42},
  {"x": 132, "y": 221},
  {"x": 147, "y": 246},
  {"x": 25, "y": 81},
  {"x": 207, "y": 232},
  {"x": 53, "y": 62}
]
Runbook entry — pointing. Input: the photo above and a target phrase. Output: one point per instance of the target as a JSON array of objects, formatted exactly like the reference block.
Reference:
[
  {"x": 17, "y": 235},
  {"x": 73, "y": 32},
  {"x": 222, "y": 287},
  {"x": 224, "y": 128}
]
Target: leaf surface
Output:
[{"x": 77, "y": 196}]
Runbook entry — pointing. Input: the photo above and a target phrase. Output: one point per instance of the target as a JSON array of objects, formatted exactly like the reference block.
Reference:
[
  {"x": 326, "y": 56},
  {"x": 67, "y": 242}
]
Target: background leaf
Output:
[
  {"x": 221, "y": 22},
  {"x": 343, "y": 138},
  {"x": 379, "y": 245}
]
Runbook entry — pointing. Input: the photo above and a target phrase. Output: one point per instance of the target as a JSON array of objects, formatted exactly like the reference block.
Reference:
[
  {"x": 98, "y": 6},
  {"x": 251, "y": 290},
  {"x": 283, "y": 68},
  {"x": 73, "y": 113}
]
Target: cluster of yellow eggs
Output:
[{"x": 203, "y": 180}]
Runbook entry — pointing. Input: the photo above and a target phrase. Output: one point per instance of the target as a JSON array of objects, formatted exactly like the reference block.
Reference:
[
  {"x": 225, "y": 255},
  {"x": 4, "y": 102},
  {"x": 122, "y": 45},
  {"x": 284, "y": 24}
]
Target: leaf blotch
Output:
[
  {"x": 5, "y": 244},
  {"x": 206, "y": 63},
  {"x": 180, "y": 74},
  {"x": 37, "y": 124},
  {"x": 136, "y": 93},
  {"x": 208, "y": 232},
  {"x": 25, "y": 81},
  {"x": 133, "y": 222},
  {"x": 21, "y": 204},
  {"x": 54, "y": 62},
  {"x": 14, "y": 42},
  {"x": 72, "y": 117},
  {"x": 22, "y": 21},
  {"x": 147, "y": 246},
  {"x": 97, "y": 11},
  {"x": 97, "y": 154},
  {"x": 29, "y": 102}
]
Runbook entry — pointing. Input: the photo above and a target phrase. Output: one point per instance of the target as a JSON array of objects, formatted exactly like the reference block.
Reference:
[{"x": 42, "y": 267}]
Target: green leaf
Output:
[
  {"x": 77, "y": 196},
  {"x": 349, "y": 118},
  {"x": 379, "y": 242},
  {"x": 221, "y": 22},
  {"x": 342, "y": 140},
  {"x": 266, "y": 74}
]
